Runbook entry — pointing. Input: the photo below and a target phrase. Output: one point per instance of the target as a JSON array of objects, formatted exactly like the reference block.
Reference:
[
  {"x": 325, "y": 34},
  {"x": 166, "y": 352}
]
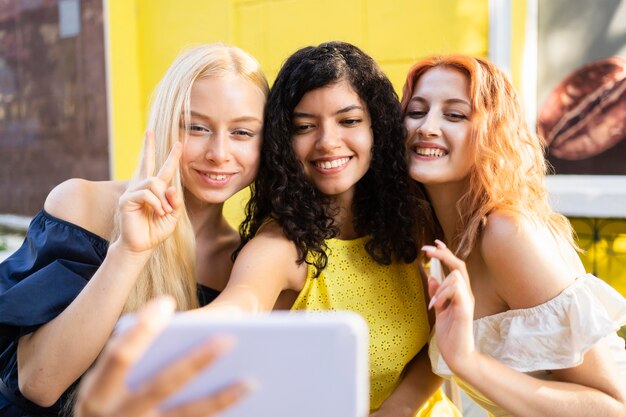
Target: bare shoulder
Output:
[
  {"x": 500, "y": 229},
  {"x": 523, "y": 260},
  {"x": 88, "y": 204},
  {"x": 272, "y": 252},
  {"x": 265, "y": 268},
  {"x": 272, "y": 234}
]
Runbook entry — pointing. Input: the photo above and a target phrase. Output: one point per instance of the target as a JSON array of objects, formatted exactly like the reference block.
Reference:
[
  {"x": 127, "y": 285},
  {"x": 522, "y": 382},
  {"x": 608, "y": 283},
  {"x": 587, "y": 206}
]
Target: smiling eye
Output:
[
  {"x": 351, "y": 122},
  {"x": 456, "y": 116},
  {"x": 416, "y": 114},
  {"x": 199, "y": 130},
  {"x": 244, "y": 133},
  {"x": 302, "y": 128}
]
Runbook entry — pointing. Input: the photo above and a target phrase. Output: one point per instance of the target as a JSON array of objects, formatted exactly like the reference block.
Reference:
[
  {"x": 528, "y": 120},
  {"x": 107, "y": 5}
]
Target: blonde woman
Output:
[
  {"x": 99, "y": 249},
  {"x": 519, "y": 325}
]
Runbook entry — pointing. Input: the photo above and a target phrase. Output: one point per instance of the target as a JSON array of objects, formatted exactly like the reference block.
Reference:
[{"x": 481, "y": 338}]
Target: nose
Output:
[
  {"x": 218, "y": 148},
  {"x": 329, "y": 138},
  {"x": 430, "y": 127}
]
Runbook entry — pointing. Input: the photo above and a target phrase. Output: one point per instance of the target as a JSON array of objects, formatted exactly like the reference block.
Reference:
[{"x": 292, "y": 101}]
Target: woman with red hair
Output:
[{"x": 519, "y": 325}]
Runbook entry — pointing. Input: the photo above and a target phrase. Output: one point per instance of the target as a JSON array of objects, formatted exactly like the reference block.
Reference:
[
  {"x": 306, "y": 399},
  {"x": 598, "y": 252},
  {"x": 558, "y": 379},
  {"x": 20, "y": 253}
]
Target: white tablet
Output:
[{"x": 301, "y": 364}]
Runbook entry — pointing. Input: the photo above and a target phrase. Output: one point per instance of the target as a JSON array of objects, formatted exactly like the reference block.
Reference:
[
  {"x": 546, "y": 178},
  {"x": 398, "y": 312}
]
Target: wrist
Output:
[
  {"x": 469, "y": 365},
  {"x": 119, "y": 248}
]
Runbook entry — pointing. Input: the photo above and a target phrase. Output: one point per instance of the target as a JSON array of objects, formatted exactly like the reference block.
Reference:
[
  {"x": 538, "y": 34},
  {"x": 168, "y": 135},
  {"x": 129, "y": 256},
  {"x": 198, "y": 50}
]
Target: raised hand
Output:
[
  {"x": 150, "y": 207},
  {"x": 453, "y": 302},
  {"x": 103, "y": 391}
]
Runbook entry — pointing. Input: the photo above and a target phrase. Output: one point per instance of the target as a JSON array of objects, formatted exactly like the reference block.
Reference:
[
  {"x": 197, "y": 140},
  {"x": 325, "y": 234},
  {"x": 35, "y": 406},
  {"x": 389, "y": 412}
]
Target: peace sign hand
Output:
[
  {"x": 454, "y": 308},
  {"x": 150, "y": 207}
]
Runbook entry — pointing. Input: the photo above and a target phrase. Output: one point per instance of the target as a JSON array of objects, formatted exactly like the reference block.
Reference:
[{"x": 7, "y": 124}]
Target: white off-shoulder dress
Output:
[{"x": 549, "y": 336}]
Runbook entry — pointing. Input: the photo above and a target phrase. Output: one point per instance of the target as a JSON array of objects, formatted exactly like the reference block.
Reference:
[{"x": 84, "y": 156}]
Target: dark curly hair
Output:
[{"x": 384, "y": 203}]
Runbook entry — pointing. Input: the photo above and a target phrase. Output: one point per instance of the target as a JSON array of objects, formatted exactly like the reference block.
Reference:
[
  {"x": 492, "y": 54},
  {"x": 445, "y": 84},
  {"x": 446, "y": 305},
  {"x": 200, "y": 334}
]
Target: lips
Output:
[{"x": 585, "y": 114}]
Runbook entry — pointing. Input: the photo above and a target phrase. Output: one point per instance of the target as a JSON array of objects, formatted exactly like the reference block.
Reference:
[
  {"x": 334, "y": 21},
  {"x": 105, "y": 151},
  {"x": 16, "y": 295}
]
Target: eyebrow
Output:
[
  {"x": 449, "y": 101},
  {"x": 238, "y": 119},
  {"x": 340, "y": 111}
]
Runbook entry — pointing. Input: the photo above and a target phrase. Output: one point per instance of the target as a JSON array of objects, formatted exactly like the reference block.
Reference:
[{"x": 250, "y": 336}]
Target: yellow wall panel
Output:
[
  {"x": 401, "y": 32},
  {"x": 146, "y": 35},
  {"x": 472, "y": 35},
  {"x": 272, "y": 30},
  {"x": 166, "y": 27},
  {"x": 518, "y": 40},
  {"x": 410, "y": 29},
  {"x": 125, "y": 95},
  {"x": 397, "y": 73},
  {"x": 250, "y": 32}
]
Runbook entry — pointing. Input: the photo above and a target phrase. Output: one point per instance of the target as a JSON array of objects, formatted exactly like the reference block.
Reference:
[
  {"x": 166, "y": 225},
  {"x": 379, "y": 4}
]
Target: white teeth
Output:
[
  {"x": 335, "y": 163},
  {"x": 431, "y": 152},
  {"x": 217, "y": 177}
]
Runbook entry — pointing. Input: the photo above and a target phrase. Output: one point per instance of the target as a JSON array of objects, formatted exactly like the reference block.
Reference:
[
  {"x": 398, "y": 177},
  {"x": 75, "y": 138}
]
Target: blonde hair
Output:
[
  {"x": 171, "y": 269},
  {"x": 509, "y": 167}
]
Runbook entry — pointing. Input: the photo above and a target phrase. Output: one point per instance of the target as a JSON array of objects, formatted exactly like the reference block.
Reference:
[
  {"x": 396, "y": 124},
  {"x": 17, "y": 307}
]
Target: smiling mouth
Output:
[
  {"x": 431, "y": 152},
  {"x": 335, "y": 163},
  {"x": 216, "y": 177}
]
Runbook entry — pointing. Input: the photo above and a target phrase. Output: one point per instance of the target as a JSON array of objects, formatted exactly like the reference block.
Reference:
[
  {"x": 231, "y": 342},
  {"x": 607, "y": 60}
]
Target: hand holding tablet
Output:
[
  {"x": 104, "y": 393},
  {"x": 306, "y": 364}
]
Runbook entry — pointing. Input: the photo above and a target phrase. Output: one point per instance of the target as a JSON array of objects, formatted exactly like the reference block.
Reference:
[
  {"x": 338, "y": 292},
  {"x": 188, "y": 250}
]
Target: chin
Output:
[
  {"x": 426, "y": 178},
  {"x": 332, "y": 191},
  {"x": 212, "y": 197},
  {"x": 417, "y": 175}
]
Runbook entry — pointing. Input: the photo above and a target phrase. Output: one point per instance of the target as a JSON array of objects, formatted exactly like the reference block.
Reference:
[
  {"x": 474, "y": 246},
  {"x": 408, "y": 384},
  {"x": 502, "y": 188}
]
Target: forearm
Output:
[
  {"x": 417, "y": 386},
  {"x": 525, "y": 396},
  {"x": 58, "y": 353},
  {"x": 235, "y": 300}
]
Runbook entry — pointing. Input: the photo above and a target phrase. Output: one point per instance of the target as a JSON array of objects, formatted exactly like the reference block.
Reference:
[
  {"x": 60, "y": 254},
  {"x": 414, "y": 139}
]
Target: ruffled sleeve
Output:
[
  {"x": 552, "y": 335},
  {"x": 46, "y": 273}
]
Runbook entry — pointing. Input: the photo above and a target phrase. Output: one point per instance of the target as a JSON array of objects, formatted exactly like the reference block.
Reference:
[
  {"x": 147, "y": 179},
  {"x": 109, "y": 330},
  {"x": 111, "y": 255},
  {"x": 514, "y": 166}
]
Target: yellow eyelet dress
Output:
[{"x": 391, "y": 299}]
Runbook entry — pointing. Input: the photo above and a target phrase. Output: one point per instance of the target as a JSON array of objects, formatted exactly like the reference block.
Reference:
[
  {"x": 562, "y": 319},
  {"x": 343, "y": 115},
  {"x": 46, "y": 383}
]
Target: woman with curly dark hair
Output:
[{"x": 331, "y": 223}]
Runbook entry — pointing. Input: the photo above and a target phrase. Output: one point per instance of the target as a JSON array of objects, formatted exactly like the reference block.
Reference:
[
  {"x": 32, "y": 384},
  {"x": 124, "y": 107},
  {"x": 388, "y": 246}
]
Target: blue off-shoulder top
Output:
[{"x": 37, "y": 283}]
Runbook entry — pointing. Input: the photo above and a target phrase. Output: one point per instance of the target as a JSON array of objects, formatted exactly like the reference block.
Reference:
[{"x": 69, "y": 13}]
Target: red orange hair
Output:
[{"x": 509, "y": 168}]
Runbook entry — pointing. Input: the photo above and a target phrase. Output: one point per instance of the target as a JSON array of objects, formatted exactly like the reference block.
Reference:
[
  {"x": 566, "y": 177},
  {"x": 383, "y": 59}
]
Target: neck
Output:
[
  {"x": 206, "y": 219},
  {"x": 444, "y": 198},
  {"x": 344, "y": 216}
]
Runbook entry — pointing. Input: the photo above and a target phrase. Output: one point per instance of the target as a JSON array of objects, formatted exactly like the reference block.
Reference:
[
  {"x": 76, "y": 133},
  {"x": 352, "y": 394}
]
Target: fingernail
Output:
[
  {"x": 428, "y": 248},
  {"x": 432, "y": 302},
  {"x": 440, "y": 244}
]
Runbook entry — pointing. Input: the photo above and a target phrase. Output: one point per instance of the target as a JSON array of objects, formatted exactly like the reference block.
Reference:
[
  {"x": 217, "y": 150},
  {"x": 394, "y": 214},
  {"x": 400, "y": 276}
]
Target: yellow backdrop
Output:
[{"x": 144, "y": 36}]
